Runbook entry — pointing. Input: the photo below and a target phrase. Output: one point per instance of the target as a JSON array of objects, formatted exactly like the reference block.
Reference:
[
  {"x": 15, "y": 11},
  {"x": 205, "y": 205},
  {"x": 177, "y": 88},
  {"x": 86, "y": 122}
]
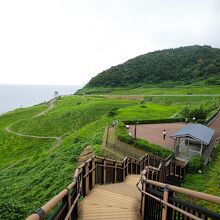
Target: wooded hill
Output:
[{"x": 179, "y": 66}]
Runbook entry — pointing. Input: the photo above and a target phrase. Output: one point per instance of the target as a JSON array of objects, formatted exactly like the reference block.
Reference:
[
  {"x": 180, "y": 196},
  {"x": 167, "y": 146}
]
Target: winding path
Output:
[{"x": 58, "y": 140}]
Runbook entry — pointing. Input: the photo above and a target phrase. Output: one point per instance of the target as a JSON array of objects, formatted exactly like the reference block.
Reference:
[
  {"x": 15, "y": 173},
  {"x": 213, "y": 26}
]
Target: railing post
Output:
[
  {"x": 106, "y": 141},
  {"x": 87, "y": 178},
  {"x": 115, "y": 173},
  {"x": 93, "y": 173},
  {"x": 165, "y": 199},
  {"x": 136, "y": 167},
  {"x": 124, "y": 164},
  {"x": 104, "y": 171},
  {"x": 127, "y": 167},
  {"x": 69, "y": 203},
  {"x": 143, "y": 201}
]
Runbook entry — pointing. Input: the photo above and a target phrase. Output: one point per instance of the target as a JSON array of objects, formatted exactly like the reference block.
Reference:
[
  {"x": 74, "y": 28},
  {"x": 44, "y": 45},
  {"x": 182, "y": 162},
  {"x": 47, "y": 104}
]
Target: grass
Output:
[
  {"x": 148, "y": 111},
  {"x": 70, "y": 114},
  {"x": 207, "y": 182},
  {"x": 40, "y": 174},
  {"x": 156, "y": 90},
  {"x": 182, "y": 99},
  {"x": 14, "y": 148},
  {"x": 27, "y": 185}
]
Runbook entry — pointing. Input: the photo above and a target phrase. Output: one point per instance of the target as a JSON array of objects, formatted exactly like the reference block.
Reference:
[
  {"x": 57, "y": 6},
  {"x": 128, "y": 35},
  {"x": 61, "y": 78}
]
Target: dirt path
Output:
[{"x": 58, "y": 140}]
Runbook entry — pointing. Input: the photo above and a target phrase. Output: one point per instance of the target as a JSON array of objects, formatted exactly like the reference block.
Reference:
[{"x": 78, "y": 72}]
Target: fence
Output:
[
  {"x": 99, "y": 170},
  {"x": 96, "y": 170},
  {"x": 117, "y": 146},
  {"x": 209, "y": 120},
  {"x": 158, "y": 201}
]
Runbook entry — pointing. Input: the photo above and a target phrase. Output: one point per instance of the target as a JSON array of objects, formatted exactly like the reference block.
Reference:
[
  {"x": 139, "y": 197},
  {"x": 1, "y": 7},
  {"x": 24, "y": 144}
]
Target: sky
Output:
[{"x": 67, "y": 42}]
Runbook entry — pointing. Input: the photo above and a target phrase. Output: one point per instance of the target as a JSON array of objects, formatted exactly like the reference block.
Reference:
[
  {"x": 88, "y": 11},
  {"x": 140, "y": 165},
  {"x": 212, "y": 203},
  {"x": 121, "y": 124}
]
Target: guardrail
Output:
[
  {"x": 158, "y": 202},
  {"x": 100, "y": 170},
  {"x": 96, "y": 170}
]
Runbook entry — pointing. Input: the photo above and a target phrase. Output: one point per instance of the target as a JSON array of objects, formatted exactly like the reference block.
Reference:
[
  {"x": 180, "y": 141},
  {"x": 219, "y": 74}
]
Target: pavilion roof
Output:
[{"x": 198, "y": 132}]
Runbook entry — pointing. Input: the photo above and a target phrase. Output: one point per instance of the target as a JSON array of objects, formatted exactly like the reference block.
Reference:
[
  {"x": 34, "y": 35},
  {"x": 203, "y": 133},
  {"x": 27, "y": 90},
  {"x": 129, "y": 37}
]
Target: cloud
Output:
[{"x": 68, "y": 42}]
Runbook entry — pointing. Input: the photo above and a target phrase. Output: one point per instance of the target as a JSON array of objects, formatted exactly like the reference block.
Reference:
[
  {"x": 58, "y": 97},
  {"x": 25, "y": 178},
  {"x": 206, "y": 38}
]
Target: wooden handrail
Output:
[
  {"x": 83, "y": 172},
  {"x": 188, "y": 192},
  {"x": 170, "y": 205},
  {"x": 52, "y": 203}
]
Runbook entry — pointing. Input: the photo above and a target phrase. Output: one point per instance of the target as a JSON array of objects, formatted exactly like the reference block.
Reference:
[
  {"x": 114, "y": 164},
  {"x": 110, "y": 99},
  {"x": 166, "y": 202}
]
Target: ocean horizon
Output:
[{"x": 17, "y": 96}]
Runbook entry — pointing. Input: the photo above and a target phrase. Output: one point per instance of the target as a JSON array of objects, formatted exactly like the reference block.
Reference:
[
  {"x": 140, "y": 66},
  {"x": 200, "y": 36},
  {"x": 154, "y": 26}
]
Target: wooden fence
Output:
[
  {"x": 159, "y": 201},
  {"x": 99, "y": 170},
  {"x": 96, "y": 170}
]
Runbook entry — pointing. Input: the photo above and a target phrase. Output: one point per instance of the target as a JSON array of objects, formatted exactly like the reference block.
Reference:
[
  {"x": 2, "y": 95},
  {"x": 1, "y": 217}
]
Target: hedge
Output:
[
  {"x": 152, "y": 121},
  {"x": 123, "y": 136}
]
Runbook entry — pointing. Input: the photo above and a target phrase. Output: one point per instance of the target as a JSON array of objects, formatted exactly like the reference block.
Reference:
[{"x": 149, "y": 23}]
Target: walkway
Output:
[
  {"x": 154, "y": 132},
  {"x": 215, "y": 125},
  {"x": 112, "y": 201}
]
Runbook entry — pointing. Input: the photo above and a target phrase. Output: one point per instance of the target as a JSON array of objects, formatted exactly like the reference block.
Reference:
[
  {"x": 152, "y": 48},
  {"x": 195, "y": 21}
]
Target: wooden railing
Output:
[
  {"x": 158, "y": 201},
  {"x": 96, "y": 170},
  {"x": 99, "y": 170}
]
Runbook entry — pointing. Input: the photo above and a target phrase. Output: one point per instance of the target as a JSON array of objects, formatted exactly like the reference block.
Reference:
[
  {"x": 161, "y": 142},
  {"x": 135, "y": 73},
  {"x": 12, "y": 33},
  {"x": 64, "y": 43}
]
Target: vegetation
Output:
[
  {"x": 181, "y": 66},
  {"x": 147, "y": 111},
  {"x": 31, "y": 173},
  {"x": 208, "y": 181},
  {"x": 123, "y": 136},
  {"x": 195, "y": 164},
  {"x": 157, "y": 90},
  {"x": 14, "y": 148},
  {"x": 200, "y": 113},
  {"x": 161, "y": 86}
]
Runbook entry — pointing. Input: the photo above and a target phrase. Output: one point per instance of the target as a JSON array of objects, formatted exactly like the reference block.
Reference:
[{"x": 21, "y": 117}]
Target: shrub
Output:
[
  {"x": 123, "y": 136},
  {"x": 195, "y": 164},
  {"x": 112, "y": 112},
  {"x": 97, "y": 149},
  {"x": 198, "y": 112},
  {"x": 152, "y": 121}
]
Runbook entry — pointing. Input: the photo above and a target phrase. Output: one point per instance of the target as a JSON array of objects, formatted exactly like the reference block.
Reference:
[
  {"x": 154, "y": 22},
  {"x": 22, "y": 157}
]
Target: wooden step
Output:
[{"x": 112, "y": 201}]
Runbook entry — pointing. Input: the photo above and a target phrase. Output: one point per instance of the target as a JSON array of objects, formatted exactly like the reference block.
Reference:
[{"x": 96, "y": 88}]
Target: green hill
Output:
[{"x": 179, "y": 66}]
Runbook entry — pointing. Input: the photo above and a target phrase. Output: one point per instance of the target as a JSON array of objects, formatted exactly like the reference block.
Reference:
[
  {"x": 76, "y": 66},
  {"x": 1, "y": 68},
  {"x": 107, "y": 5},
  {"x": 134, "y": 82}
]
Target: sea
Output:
[{"x": 19, "y": 96}]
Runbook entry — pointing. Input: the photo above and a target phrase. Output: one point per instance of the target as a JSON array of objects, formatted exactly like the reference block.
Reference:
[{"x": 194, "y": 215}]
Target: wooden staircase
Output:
[
  {"x": 112, "y": 201},
  {"x": 130, "y": 189}
]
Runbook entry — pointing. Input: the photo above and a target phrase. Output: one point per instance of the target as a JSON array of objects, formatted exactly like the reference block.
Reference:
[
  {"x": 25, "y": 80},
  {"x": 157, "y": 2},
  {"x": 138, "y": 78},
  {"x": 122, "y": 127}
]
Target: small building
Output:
[{"x": 192, "y": 140}]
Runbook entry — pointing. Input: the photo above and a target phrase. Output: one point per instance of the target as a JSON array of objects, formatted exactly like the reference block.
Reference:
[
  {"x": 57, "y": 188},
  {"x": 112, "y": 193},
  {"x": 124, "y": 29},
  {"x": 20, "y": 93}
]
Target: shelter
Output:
[{"x": 192, "y": 140}]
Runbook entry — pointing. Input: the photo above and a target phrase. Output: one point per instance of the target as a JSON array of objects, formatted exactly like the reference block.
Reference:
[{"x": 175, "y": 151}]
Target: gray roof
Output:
[{"x": 198, "y": 132}]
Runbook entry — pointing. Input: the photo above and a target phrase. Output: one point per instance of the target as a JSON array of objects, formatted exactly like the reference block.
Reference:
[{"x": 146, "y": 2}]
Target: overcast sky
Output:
[{"x": 69, "y": 41}]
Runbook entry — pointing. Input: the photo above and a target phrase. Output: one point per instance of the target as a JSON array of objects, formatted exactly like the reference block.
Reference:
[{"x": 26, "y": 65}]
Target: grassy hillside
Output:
[
  {"x": 30, "y": 173},
  {"x": 172, "y": 90},
  {"x": 14, "y": 148},
  {"x": 27, "y": 184},
  {"x": 179, "y": 66}
]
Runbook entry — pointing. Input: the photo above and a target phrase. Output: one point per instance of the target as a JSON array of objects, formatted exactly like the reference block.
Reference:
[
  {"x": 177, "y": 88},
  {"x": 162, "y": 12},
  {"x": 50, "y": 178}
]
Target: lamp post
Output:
[{"x": 135, "y": 128}]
